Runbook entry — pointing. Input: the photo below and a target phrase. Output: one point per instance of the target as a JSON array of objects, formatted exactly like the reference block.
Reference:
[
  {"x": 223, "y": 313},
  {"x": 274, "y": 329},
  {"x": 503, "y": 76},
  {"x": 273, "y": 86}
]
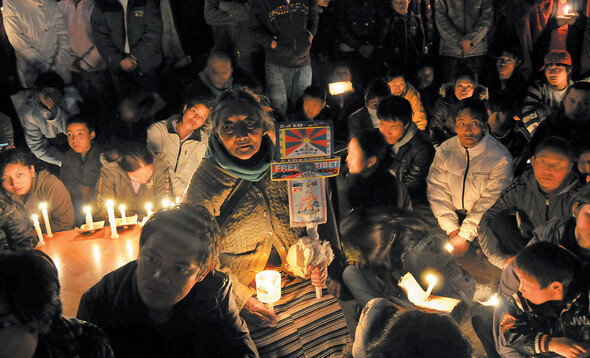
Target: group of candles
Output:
[{"x": 35, "y": 218}]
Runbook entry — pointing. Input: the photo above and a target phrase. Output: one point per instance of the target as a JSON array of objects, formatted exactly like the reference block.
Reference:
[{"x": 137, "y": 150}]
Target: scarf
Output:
[{"x": 253, "y": 169}]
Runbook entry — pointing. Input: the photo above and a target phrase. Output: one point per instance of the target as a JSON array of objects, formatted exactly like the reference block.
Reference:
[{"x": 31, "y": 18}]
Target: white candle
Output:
[
  {"x": 268, "y": 287},
  {"x": 43, "y": 207},
  {"x": 35, "y": 219},
  {"x": 431, "y": 282},
  {"x": 566, "y": 10},
  {"x": 178, "y": 200},
  {"x": 111, "y": 213},
  {"x": 123, "y": 217},
  {"x": 89, "y": 220},
  {"x": 148, "y": 209},
  {"x": 165, "y": 203}
]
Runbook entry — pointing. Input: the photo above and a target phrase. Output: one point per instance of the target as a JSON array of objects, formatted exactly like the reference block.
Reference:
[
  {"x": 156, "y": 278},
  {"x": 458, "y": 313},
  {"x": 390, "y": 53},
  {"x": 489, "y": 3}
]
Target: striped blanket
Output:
[{"x": 307, "y": 326}]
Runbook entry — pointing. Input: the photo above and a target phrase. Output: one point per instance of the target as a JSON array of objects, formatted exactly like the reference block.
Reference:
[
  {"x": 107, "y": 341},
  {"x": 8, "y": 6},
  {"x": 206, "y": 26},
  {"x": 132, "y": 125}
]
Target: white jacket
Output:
[
  {"x": 182, "y": 158},
  {"x": 450, "y": 188},
  {"x": 37, "y": 31}
]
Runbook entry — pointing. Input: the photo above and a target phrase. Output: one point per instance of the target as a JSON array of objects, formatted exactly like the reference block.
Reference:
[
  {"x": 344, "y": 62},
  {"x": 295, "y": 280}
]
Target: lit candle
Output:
[
  {"x": 43, "y": 207},
  {"x": 431, "y": 282},
  {"x": 148, "y": 209},
  {"x": 178, "y": 200},
  {"x": 35, "y": 219},
  {"x": 268, "y": 287},
  {"x": 165, "y": 203},
  {"x": 336, "y": 88},
  {"x": 449, "y": 247},
  {"x": 566, "y": 10},
  {"x": 111, "y": 213},
  {"x": 123, "y": 217},
  {"x": 89, "y": 220},
  {"x": 493, "y": 301}
]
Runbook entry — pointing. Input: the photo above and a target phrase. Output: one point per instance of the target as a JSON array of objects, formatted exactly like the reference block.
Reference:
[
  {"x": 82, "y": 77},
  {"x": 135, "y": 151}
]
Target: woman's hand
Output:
[
  {"x": 319, "y": 275},
  {"x": 257, "y": 315}
]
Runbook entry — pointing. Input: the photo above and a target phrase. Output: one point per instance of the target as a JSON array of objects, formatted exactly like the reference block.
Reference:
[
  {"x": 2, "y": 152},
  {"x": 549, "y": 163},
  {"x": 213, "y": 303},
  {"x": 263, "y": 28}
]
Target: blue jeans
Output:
[
  {"x": 360, "y": 285},
  {"x": 285, "y": 84}
]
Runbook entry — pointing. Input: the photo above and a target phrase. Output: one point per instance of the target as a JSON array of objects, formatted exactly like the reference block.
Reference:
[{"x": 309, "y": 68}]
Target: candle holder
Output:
[{"x": 268, "y": 287}]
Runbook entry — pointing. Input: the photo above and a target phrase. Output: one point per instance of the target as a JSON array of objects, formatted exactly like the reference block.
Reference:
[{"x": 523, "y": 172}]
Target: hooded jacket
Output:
[
  {"x": 15, "y": 227},
  {"x": 183, "y": 158},
  {"x": 538, "y": 104},
  {"x": 114, "y": 184},
  {"x": 290, "y": 24},
  {"x": 463, "y": 19},
  {"x": 525, "y": 198},
  {"x": 48, "y": 188},
  {"x": 469, "y": 179},
  {"x": 205, "y": 323},
  {"x": 442, "y": 121},
  {"x": 144, "y": 31}
]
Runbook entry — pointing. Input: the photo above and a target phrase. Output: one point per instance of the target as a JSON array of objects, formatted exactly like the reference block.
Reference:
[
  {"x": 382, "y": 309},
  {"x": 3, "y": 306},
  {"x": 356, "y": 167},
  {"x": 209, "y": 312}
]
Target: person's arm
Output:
[
  {"x": 257, "y": 28},
  {"x": 69, "y": 175},
  {"x": 155, "y": 138},
  {"x": 499, "y": 178},
  {"x": 224, "y": 13},
  {"x": 102, "y": 39},
  {"x": 237, "y": 337},
  {"x": 483, "y": 24},
  {"x": 105, "y": 189},
  {"x": 439, "y": 195},
  {"x": 146, "y": 50},
  {"x": 489, "y": 241},
  {"x": 6, "y": 130},
  {"x": 444, "y": 24},
  {"x": 419, "y": 113},
  {"x": 61, "y": 213},
  {"x": 62, "y": 54},
  {"x": 418, "y": 168},
  {"x": 313, "y": 18},
  {"x": 534, "y": 109},
  {"x": 37, "y": 142},
  {"x": 17, "y": 36},
  {"x": 436, "y": 125},
  {"x": 17, "y": 226},
  {"x": 162, "y": 185}
]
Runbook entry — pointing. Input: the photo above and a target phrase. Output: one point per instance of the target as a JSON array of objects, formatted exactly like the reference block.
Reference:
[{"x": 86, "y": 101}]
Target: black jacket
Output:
[
  {"x": 524, "y": 198},
  {"x": 290, "y": 24},
  {"x": 15, "y": 227},
  {"x": 144, "y": 30},
  {"x": 560, "y": 126},
  {"x": 359, "y": 121},
  {"x": 206, "y": 323},
  {"x": 405, "y": 42},
  {"x": 362, "y": 22},
  {"x": 517, "y": 141}
]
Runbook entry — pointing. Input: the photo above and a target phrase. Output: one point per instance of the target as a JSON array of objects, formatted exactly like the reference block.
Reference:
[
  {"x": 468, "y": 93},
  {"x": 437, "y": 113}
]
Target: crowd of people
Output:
[{"x": 464, "y": 127}]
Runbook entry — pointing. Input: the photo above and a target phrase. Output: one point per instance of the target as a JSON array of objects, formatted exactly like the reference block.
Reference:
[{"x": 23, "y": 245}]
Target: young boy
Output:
[
  {"x": 81, "y": 164},
  {"x": 366, "y": 117},
  {"x": 549, "y": 314}
]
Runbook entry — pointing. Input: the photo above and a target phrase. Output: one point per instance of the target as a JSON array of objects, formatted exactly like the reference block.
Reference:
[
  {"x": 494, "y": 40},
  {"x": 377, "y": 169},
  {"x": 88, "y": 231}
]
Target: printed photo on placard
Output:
[{"x": 307, "y": 201}]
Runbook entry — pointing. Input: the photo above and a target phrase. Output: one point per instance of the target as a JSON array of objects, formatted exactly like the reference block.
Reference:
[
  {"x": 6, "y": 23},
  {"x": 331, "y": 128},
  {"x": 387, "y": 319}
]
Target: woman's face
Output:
[
  {"x": 16, "y": 339},
  {"x": 355, "y": 160},
  {"x": 193, "y": 118},
  {"x": 464, "y": 88},
  {"x": 241, "y": 135},
  {"x": 143, "y": 174},
  {"x": 17, "y": 178}
]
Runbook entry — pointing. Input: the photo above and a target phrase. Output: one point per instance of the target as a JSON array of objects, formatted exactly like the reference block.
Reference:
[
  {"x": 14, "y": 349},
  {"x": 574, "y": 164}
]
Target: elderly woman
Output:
[{"x": 233, "y": 182}]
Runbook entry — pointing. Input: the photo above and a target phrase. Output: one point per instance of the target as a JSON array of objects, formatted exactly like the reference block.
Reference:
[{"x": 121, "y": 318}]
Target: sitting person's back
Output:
[
  {"x": 169, "y": 302},
  {"x": 32, "y": 325}
]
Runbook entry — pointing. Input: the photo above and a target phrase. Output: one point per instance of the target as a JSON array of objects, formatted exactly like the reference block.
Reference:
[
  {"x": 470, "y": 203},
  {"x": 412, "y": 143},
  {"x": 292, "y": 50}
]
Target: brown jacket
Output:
[
  {"x": 49, "y": 189},
  {"x": 114, "y": 184},
  {"x": 258, "y": 221}
]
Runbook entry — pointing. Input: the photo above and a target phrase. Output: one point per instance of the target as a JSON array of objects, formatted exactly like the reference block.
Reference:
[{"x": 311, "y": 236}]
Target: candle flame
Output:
[
  {"x": 87, "y": 209},
  {"x": 122, "y": 207},
  {"x": 148, "y": 206},
  {"x": 337, "y": 88},
  {"x": 110, "y": 203},
  {"x": 449, "y": 247},
  {"x": 566, "y": 10},
  {"x": 43, "y": 206},
  {"x": 165, "y": 203},
  {"x": 35, "y": 217},
  {"x": 493, "y": 301},
  {"x": 431, "y": 279}
]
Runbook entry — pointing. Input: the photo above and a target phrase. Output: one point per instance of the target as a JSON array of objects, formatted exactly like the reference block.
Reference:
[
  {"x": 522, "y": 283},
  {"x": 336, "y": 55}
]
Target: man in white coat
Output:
[{"x": 467, "y": 175}]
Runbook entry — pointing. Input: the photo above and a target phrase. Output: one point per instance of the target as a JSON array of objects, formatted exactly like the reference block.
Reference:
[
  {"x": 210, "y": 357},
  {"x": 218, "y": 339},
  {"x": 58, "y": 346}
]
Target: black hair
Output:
[
  {"x": 417, "y": 334},
  {"x": 476, "y": 106},
  {"x": 557, "y": 145},
  {"x": 395, "y": 108},
  {"x": 580, "y": 86},
  {"x": 82, "y": 119},
  {"x": 509, "y": 47},
  {"x": 465, "y": 72},
  {"x": 581, "y": 198},
  {"x": 49, "y": 79},
  {"x": 376, "y": 88},
  {"x": 193, "y": 101},
  {"x": 29, "y": 286},
  {"x": 315, "y": 91},
  {"x": 547, "y": 263},
  {"x": 188, "y": 223},
  {"x": 131, "y": 156},
  {"x": 220, "y": 55},
  {"x": 503, "y": 101},
  {"x": 15, "y": 156},
  {"x": 372, "y": 143},
  {"x": 395, "y": 72}
]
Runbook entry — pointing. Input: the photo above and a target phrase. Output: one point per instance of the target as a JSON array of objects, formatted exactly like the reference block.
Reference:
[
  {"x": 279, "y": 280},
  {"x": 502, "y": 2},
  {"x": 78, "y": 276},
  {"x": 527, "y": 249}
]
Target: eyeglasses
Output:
[{"x": 553, "y": 166}]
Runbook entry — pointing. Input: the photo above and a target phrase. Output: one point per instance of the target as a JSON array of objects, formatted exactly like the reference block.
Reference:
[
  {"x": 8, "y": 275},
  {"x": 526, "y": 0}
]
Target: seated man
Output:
[
  {"x": 467, "y": 175},
  {"x": 549, "y": 314},
  {"x": 545, "y": 95},
  {"x": 81, "y": 164},
  {"x": 411, "y": 152},
  {"x": 504, "y": 126},
  {"x": 366, "y": 117},
  {"x": 44, "y": 114},
  {"x": 215, "y": 78},
  {"x": 396, "y": 79},
  {"x": 572, "y": 122},
  {"x": 543, "y": 193},
  {"x": 31, "y": 324},
  {"x": 169, "y": 302}
]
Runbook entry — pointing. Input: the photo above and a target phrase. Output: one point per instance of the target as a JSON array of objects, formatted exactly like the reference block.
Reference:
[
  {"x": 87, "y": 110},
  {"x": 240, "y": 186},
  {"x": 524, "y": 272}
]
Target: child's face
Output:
[
  {"x": 556, "y": 75},
  {"x": 355, "y": 160},
  {"x": 79, "y": 138},
  {"x": 532, "y": 291},
  {"x": 17, "y": 178},
  {"x": 505, "y": 64},
  {"x": 312, "y": 106},
  {"x": 400, "y": 6}
]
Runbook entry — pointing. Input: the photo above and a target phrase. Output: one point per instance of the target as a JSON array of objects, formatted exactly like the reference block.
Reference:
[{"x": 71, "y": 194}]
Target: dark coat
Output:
[
  {"x": 517, "y": 141},
  {"x": 524, "y": 198},
  {"x": 560, "y": 126},
  {"x": 144, "y": 30},
  {"x": 290, "y": 25},
  {"x": 15, "y": 227},
  {"x": 76, "y": 171},
  {"x": 405, "y": 42},
  {"x": 362, "y": 22},
  {"x": 205, "y": 323},
  {"x": 359, "y": 121}
]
